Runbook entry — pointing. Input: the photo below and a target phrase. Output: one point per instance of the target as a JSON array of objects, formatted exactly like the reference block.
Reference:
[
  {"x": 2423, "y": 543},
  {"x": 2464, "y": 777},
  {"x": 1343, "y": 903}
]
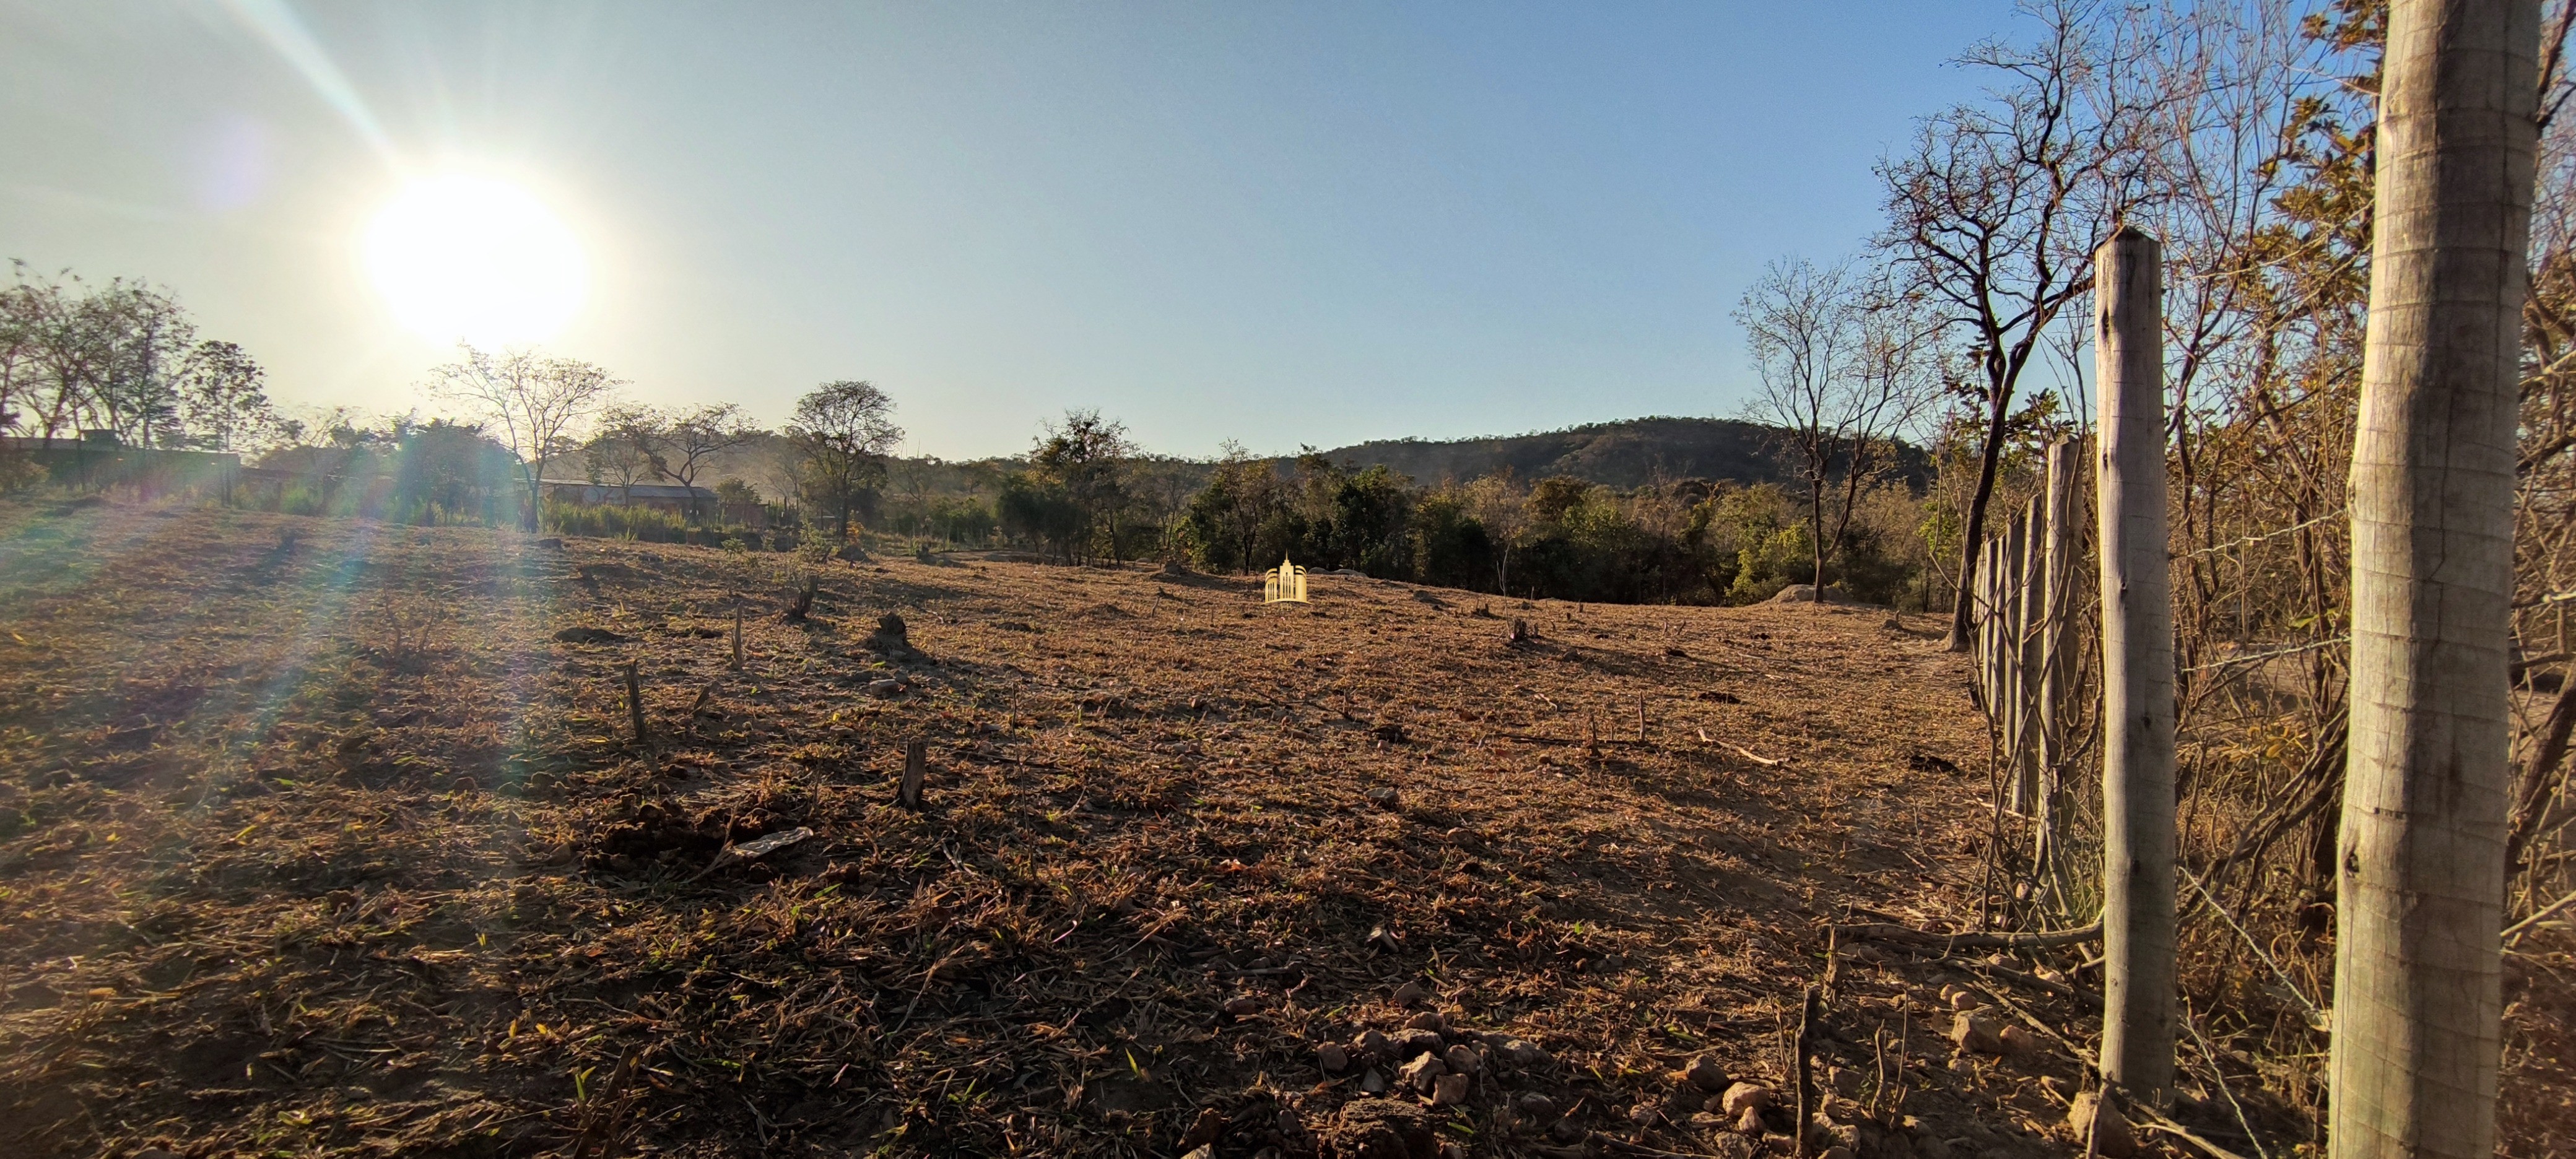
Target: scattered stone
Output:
[
  {"x": 1409, "y": 993},
  {"x": 2017, "y": 1040},
  {"x": 1750, "y": 1122},
  {"x": 1242, "y": 1005},
  {"x": 1381, "y": 1129},
  {"x": 1734, "y": 1147},
  {"x": 1645, "y": 1114},
  {"x": 1449, "y": 1090},
  {"x": 1419, "y": 1073},
  {"x": 1704, "y": 1073},
  {"x": 885, "y": 688},
  {"x": 1332, "y": 1058},
  {"x": 891, "y": 636},
  {"x": 752, "y": 850},
  {"x": 1369, "y": 1044},
  {"x": 1462, "y": 1059},
  {"x": 1742, "y": 1097},
  {"x": 1413, "y": 1042},
  {"x": 1205, "y": 1130},
  {"x": 1965, "y": 999},
  {"x": 1521, "y": 1052},
  {"x": 1567, "y": 1131},
  {"x": 1373, "y": 1082},
  {"x": 1292, "y": 1126},
  {"x": 1382, "y": 797},
  {"x": 1535, "y": 1105},
  {"x": 1976, "y": 1034},
  {"x": 1428, "y": 1020},
  {"x": 2108, "y": 1131}
]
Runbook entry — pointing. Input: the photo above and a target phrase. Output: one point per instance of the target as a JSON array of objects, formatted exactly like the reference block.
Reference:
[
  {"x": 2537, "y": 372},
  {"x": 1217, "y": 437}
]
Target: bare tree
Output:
[
  {"x": 535, "y": 402},
  {"x": 1842, "y": 371},
  {"x": 1992, "y": 213},
  {"x": 2418, "y": 955},
  {"x": 690, "y": 441},
  {"x": 1500, "y": 503},
  {"x": 843, "y": 432}
]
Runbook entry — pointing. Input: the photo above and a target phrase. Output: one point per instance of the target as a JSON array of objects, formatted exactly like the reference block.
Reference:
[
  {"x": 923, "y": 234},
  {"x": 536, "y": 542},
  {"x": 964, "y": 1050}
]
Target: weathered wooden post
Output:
[
  {"x": 916, "y": 766},
  {"x": 737, "y": 633},
  {"x": 634, "y": 702},
  {"x": 1989, "y": 657},
  {"x": 2031, "y": 613},
  {"x": 2420, "y": 897},
  {"x": 2057, "y": 648},
  {"x": 2137, "y": 670},
  {"x": 1802, "y": 1070}
]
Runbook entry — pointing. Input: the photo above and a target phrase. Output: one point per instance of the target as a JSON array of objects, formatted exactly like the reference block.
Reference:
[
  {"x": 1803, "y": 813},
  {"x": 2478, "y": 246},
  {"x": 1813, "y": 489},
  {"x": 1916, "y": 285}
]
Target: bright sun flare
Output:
[{"x": 475, "y": 259}]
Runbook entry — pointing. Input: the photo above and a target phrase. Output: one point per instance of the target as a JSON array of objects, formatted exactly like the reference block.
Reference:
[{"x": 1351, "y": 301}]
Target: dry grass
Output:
[{"x": 319, "y": 844}]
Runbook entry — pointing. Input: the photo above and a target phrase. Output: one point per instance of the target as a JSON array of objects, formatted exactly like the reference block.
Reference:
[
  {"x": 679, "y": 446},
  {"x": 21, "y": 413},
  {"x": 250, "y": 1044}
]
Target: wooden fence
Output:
[{"x": 2032, "y": 613}]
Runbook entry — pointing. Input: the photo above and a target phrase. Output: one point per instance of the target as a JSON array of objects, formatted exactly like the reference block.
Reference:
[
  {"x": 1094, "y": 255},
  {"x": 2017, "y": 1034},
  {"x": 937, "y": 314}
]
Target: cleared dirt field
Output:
[{"x": 318, "y": 840}]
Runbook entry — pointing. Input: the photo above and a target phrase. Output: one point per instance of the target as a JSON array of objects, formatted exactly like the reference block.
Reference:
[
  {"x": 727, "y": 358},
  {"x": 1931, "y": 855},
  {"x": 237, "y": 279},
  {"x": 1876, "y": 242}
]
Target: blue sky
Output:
[{"x": 1281, "y": 224}]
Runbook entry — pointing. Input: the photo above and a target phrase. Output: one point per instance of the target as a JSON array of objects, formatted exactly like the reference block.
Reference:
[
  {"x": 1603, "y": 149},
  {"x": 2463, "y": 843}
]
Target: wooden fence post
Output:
[
  {"x": 2032, "y": 613},
  {"x": 2137, "y": 671},
  {"x": 634, "y": 702},
  {"x": 916, "y": 766},
  {"x": 1989, "y": 656},
  {"x": 2420, "y": 896},
  {"x": 2057, "y": 651}
]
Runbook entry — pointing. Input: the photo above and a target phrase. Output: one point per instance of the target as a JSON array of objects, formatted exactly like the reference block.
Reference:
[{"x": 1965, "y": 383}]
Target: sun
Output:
[{"x": 464, "y": 258}]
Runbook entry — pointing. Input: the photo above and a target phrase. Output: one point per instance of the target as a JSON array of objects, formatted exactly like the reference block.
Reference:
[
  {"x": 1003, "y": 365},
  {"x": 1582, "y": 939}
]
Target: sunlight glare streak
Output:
[{"x": 272, "y": 21}]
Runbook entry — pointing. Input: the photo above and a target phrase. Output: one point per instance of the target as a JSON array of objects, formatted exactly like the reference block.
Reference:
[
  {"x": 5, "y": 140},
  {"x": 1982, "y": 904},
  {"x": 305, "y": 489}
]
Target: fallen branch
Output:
[
  {"x": 2032, "y": 981},
  {"x": 2148, "y": 1118},
  {"x": 1746, "y": 753},
  {"x": 2514, "y": 932},
  {"x": 1883, "y": 932}
]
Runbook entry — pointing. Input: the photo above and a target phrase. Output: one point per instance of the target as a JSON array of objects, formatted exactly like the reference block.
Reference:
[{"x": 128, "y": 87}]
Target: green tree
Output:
[
  {"x": 223, "y": 400},
  {"x": 842, "y": 433}
]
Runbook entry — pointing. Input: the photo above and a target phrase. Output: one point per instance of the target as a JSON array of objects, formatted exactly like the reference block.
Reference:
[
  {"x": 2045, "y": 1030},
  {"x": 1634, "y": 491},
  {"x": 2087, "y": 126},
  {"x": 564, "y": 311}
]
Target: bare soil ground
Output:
[{"x": 316, "y": 840}]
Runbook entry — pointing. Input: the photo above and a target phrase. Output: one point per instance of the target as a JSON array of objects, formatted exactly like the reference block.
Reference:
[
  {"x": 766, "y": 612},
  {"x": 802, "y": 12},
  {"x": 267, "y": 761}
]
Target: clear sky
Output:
[{"x": 1281, "y": 223}]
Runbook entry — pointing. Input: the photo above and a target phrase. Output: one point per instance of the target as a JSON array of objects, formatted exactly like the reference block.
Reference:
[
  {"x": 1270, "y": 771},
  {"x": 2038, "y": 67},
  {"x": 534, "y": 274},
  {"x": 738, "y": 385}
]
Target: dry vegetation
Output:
[{"x": 319, "y": 841}]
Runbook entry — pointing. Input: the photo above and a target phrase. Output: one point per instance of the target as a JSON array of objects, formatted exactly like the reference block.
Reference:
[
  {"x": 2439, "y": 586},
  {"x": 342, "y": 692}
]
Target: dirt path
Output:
[{"x": 319, "y": 842}]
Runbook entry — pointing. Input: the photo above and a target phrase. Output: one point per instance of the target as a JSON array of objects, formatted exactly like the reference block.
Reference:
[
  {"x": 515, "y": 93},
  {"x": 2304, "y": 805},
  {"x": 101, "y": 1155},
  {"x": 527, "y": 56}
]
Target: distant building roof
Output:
[{"x": 639, "y": 490}]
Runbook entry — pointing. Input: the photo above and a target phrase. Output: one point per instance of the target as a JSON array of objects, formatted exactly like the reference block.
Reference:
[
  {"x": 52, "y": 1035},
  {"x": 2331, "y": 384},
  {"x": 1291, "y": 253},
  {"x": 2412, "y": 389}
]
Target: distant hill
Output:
[{"x": 1625, "y": 454}]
